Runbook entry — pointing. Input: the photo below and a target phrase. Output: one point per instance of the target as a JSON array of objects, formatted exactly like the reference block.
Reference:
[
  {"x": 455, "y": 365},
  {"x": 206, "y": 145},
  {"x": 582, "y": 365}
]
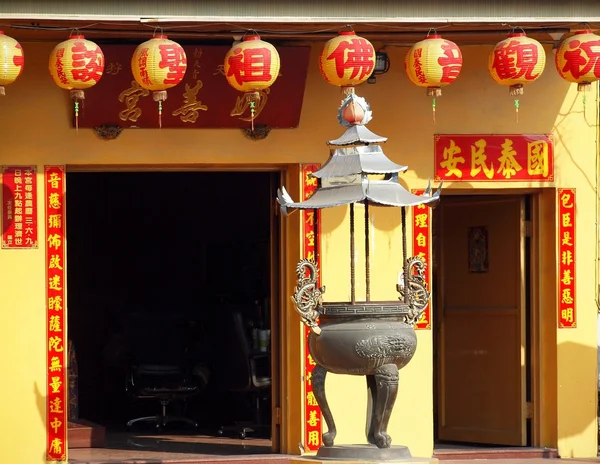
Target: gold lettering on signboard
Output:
[
  {"x": 131, "y": 97},
  {"x": 113, "y": 68},
  {"x": 242, "y": 105},
  {"x": 188, "y": 112}
]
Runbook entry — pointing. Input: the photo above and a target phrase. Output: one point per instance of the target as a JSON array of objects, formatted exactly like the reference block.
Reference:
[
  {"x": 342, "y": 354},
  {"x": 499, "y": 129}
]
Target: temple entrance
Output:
[
  {"x": 481, "y": 318},
  {"x": 173, "y": 301}
]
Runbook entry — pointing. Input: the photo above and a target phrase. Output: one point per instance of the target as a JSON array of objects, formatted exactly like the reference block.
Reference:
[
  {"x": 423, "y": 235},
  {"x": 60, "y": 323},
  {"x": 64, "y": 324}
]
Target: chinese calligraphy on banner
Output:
[
  {"x": 471, "y": 158},
  {"x": 421, "y": 232},
  {"x": 19, "y": 207},
  {"x": 56, "y": 401},
  {"x": 202, "y": 100},
  {"x": 312, "y": 419},
  {"x": 567, "y": 313}
]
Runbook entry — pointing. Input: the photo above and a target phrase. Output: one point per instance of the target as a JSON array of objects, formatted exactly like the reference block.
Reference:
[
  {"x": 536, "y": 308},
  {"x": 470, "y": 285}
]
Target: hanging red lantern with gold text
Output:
[
  {"x": 252, "y": 66},
  {"x": 578, "y": 59},
  {"x": 516, "y": 61},
  {"x": 75, "y": 65},
  {"x": 11, "y": 61},
  {"x": 347, "y": 61},
  {"x": 157, "y": 65},
  {"x": 433, "y": 63}
]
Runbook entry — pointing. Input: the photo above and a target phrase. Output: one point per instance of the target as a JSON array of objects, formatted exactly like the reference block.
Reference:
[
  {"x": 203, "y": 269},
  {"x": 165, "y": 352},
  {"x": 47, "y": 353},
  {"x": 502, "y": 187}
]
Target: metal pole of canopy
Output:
[
  {"x": 367, "y": 254},
  {"x": 404, "y": 256},
  {"x": 352, "y": 273},
  {"x": 316, "y": 230}
]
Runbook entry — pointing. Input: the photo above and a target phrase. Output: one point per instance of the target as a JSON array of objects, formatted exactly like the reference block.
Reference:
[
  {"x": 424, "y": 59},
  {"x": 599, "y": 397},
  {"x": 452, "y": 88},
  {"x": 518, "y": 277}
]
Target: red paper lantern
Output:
[
  {"x": 11, "y": 61},
  {"x": 75, "y": 65},
  {"x": 433, "y": 63},
  {"x": 578, "y": 59},
  {"x": 516, "y": 61},
  {"x": 157, "y": 65},
  {"x": 251, "y": 67},
  {"x": 347, "y": 60}
]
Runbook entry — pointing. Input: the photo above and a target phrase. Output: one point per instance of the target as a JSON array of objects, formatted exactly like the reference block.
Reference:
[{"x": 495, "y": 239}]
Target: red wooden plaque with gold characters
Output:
[
  {"x": 474, "y": 158},
  {"x": 567, "y": 313},
  {"x": 421, "y": 233},
  {"x": 57, "y": 382},
  {"x": 312, "y": 419}
]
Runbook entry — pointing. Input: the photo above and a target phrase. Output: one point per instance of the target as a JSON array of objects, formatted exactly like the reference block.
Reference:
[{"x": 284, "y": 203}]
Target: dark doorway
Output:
[{"x": 152, "y": 246}]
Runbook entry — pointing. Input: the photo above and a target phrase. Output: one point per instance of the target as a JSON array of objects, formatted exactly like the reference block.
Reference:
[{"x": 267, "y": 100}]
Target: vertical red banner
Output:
[
  {"x": 567, "y": 313},
  {"x": 421, "y": 233},
  {"x": 310, "y": 232},
  {"x": 19, "y": 207},
  {"x": 56, "y": 401}
]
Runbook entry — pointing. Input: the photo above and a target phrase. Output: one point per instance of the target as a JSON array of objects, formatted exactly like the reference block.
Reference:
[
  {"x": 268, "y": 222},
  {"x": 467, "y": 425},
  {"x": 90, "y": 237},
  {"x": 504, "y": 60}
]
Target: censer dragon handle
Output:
[
  {"x": 307, "y": 297},
  {"x": 418, "y": 294}
]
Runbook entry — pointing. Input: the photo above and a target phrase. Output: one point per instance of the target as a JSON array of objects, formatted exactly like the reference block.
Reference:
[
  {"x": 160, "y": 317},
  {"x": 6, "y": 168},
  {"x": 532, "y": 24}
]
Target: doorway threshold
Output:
[{"x": 463, "y": 451}]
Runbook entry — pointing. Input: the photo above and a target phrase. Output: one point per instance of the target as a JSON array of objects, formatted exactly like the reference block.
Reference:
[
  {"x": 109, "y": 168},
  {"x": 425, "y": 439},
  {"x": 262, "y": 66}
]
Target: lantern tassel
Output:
[
  {"x": 159, "y": 96},
  {"x": 252, "y": 98},
  {"x": 159, "y": 114},
  {"x": 2, "y": 90},
  {"x": 516, "y": 110},
  {"x": 76, "y": 116},
  {"x": 433, "y": 108},
  {"x": 76, "y": 95}
]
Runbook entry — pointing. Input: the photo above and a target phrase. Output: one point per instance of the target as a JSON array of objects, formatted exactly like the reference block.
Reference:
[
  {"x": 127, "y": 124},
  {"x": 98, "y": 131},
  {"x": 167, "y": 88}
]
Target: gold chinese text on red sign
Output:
[
  {"x": 471, "y": 158},
  {"x": 56, "y": 401},
  {"x": 19, "y": 207},
  {"x": 567, "y": 313},
  {"x": 310, "y": 221},
  {"x": 421, "y": 232}
]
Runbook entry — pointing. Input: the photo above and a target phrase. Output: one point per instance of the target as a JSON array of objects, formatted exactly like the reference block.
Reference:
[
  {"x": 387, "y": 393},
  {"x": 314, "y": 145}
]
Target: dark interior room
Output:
[{"x": 168, "y": 275}]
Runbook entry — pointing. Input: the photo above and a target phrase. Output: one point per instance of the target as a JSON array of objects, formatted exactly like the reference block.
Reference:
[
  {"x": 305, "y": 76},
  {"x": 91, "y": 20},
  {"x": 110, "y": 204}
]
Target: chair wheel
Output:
[{"x": 242, "y": 435}]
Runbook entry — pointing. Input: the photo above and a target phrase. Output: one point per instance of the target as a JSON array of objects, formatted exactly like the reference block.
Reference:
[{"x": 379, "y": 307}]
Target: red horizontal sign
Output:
[
  {"x": 470, "y": 158},
  {"x": 204, "y": 99}
]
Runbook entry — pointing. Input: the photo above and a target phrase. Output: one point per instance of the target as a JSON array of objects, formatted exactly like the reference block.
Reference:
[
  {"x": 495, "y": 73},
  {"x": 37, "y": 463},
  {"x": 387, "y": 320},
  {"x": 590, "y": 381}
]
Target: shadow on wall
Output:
[
  {"x": 579, "y": 417},
  {"x": 40, "y": 403}
]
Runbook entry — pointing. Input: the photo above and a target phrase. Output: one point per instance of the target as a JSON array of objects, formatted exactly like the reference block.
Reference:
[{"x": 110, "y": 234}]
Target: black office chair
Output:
[
  {"x": 239, "y": 370},
  {"x": 158, "y": 365}
]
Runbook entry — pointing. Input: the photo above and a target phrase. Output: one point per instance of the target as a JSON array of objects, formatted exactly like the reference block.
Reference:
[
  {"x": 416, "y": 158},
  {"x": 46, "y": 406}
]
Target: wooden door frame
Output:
[
  {"x": 538, "y": 201},
  {"x": 281, "y": 407}
]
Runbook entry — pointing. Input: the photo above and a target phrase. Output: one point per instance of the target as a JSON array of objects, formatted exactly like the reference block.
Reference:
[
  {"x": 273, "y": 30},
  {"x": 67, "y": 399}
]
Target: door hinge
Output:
[
  {"x": 527, "y": 228},
  {"x": 278, "y": 416},
  {"x": 529, "y": 410}
]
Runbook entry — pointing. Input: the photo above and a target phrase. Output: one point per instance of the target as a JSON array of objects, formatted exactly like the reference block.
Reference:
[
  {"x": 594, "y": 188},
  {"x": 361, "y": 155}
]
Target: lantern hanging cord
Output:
[
  {"x": 432, "y": 31},
  {"x": 74, "y": 32}
]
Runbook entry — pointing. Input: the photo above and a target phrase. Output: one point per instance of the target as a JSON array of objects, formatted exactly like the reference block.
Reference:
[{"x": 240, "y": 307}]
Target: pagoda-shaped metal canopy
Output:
[{"x": 357, "y": 171}]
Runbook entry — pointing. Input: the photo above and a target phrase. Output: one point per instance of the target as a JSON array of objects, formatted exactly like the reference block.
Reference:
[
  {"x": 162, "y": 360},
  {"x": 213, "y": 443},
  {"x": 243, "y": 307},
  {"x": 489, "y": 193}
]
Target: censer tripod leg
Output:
[{"x": 318, "y": 383}]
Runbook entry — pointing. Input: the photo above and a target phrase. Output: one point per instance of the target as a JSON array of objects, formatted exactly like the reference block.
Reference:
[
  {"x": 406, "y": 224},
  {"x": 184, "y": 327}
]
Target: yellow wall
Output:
[{"x": 35, "y": 128}]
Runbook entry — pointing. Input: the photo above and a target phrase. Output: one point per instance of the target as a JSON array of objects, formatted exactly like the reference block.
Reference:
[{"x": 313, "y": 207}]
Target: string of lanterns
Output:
[{"x": 347, "y": 60}]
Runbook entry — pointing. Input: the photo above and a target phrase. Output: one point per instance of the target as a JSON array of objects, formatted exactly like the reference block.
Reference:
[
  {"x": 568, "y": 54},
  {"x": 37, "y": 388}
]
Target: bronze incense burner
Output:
[{"x": 369, "y": 338}]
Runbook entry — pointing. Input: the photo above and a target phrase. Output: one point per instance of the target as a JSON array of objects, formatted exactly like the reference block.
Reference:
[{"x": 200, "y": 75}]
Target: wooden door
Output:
[{"x": 482, "y": 377}]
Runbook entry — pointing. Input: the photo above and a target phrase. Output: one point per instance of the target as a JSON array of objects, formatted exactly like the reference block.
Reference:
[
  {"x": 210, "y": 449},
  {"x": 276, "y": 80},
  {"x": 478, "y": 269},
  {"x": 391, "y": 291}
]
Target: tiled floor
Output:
[{"x": 180, "y": 448}]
